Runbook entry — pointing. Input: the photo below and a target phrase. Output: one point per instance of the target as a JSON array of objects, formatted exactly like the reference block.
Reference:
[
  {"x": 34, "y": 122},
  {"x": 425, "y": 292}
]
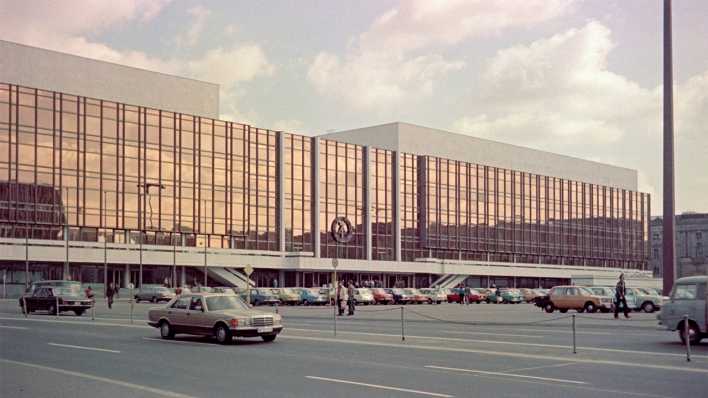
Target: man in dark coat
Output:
[
  {"x": 620, "y": 291},
  {"x": 350, "y": 298},
  {"x": 110, "y": 292}
]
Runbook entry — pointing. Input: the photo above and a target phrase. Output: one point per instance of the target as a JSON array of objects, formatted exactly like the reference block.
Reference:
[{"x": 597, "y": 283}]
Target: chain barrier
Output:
[{"x": 476, "y": 323}]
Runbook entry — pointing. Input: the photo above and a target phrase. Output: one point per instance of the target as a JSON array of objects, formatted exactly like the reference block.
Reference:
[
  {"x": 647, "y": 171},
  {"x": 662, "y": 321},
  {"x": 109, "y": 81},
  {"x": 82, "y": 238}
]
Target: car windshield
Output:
[
  {"x": 288, "y": 291},
  {"x": 409, "y": 291},
  {"x": 219, "y": 303},
  {"x": 585, "y": 291},
  {"x": 68, "y": 290},
  {"x": 364, "y": 291}
]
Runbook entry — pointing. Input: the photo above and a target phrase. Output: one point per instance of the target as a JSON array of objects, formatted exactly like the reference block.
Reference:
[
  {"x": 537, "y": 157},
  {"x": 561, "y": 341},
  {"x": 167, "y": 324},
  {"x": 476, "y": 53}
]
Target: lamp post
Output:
[{"x": 206, "y": 277}]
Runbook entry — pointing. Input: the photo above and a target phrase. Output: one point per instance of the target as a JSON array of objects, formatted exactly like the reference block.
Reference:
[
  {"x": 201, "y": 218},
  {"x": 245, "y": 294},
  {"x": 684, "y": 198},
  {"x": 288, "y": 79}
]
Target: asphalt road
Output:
[{"x": 449, "y": 350}]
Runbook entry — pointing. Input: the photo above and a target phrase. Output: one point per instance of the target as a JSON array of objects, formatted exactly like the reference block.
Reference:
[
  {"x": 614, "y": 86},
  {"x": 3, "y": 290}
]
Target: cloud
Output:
[
  {"x": 557, "y": 94},
  {"x": 230, "y": 66},
  {"x": 383, "y": 66},
  {"x": 199, "y": 15}
]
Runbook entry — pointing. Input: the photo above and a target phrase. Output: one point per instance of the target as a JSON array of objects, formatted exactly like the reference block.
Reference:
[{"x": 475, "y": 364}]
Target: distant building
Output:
[{"x": 691, "y": 242}]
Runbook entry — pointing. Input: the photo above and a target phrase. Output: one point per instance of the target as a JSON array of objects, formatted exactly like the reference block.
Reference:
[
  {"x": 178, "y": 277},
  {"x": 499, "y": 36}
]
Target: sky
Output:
[{"x": 577, "y": 77}]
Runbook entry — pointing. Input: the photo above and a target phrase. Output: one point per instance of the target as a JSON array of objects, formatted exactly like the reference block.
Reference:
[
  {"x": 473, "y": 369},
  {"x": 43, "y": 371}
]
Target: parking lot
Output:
[{"x": 442, "y": 350}]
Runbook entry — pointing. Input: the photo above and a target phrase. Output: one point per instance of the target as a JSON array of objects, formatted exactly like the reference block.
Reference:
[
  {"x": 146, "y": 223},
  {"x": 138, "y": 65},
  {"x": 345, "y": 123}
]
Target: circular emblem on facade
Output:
[{"x": 342, "y": 230}]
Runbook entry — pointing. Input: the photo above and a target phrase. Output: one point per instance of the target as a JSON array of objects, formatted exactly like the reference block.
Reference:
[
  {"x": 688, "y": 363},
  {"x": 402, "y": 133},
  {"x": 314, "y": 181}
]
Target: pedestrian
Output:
[
  {"x": 620, "y": 291},
  {"x": 89, "y": 293},
  {"x": 468, "y": 292},
  {"x": 109, "y": 295},
  {"x": 340, "y": 299},
  {"x": 350, "y": 299}
]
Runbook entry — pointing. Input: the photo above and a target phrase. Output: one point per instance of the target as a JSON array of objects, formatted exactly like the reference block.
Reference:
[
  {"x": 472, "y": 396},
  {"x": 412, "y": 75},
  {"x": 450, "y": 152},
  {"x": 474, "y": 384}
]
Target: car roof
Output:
[{"x": 693, "y": 279}]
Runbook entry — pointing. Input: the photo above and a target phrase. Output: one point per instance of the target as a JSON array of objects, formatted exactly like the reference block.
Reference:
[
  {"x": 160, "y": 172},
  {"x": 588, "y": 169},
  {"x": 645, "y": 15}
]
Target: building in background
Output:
[
  {"x": 691, "y": 245},
  {"x": 123, "y": 188}
]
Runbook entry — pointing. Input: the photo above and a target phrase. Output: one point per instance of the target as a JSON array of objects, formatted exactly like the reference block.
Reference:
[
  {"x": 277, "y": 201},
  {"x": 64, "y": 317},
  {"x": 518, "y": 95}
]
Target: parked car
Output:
[
  {"x": 606, "y": 294},
  {"x": 529, "y": 295},
  {"x": 212, "y": 314},
  {"x": 689, "y": 296},
  {"x": 454, "y": 295},
  {"x": 224, "y": 289},
  {"x": 56, "y": 299},
  {"x": 564, "y": 298},
  {"x": 363, "y": 296},
  {"x": 645, "y": 300},
  {"x": 154, "y": 294},
  {"x": 259, "y": 296},
  {"x": 479, "y": 295},
  {"x": 53, "y": 283},
  {"x": 417, "y": 296},
  {"x": 504, "y": 296},
  {"x": 288, "y": 296},
  {"x": 381, "y": 296},
  {"x": 436, "y": 296},
  {"x": 400, "y": 296},
  {"x": 312, "y": 296}
]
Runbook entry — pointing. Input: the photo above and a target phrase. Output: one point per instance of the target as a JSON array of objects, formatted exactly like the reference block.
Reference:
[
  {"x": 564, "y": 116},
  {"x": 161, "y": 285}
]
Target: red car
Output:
[
  {"x": 381, "y": 297},
  {"x": 453, "y": 296}
]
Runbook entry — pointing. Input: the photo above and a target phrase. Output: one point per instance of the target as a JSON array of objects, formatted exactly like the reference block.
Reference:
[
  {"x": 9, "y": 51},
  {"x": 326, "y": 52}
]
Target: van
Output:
[{"x": 689, "y": 296}]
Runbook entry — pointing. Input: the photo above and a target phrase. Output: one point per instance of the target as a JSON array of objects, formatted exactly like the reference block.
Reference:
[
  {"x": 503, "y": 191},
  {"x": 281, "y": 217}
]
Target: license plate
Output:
[{"x": 266, "y": 329}]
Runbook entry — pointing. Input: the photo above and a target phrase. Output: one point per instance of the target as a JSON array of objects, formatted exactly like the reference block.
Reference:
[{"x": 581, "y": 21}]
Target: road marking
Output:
[
  {"x": 504, "y": 342},
  {"x": 498, "y": 353},
  {"x": 153, "y": 390},
  {"x": 541, "y": 367},
  {"x": 13, "y": 327},
  {"x": 493, "y": 334},
  {"x": 78, "y": 347},
  {"x": 356, "y": 383},
  {"x": 177, "y": 342},
  {"x": 484, "y": 372},
  {"x": 89, "y": 322}
]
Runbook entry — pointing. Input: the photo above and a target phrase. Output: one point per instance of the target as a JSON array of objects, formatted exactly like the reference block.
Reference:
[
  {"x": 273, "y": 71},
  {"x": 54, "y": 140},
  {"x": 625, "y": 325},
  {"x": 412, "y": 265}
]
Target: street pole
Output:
[
  {"x": 105, "y": 248},
  {"x": 65, "y": 271},
  {"x": 205, "y": 246},
  {"x": 26, "y": 265},
  {"x": 669, "y": 233}
]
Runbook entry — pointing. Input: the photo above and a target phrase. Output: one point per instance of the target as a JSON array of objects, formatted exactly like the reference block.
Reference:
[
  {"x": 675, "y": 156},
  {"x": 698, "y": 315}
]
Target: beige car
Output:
[
  {"x": 212, "y": 314},
  {"x": 564, "y": 298}
]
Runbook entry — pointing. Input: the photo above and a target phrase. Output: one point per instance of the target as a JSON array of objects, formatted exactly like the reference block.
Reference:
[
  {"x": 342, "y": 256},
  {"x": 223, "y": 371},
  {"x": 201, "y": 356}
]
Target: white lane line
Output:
[
  {"x": 542, "y": 367},
  {"x": 13, "y": 327},
  {"x": 484, "y": 372},
  {"x": 157, "y": 391},
  {"x": 528, "y": 336},
  {"x": 78, "y": 347},
  {"x": 508, "y": 343},
  {"x": 161, "y": 340},
  {"x": 138, "y": 324},
  {"x": 497, "y": 353},
  {"x": 356, "y": 383}
]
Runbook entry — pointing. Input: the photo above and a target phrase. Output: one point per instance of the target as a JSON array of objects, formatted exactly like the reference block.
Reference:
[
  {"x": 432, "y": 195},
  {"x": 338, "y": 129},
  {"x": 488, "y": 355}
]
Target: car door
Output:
[
  {"x": 38, "y": 299},
  {"x": 177, "y": 313},
  {"x": 683, "y": 302},
  {"x": 197, "y": 318}
]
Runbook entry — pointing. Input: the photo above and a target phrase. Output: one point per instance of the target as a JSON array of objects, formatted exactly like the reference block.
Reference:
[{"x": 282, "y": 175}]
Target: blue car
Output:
[
  {"x": 261, "y": 297},
  {"x": 312, "y": 297}
]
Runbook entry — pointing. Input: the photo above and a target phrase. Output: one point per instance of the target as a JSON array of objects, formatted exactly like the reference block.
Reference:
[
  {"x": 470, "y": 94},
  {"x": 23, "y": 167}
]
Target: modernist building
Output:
[
  {"x": 691, "y": 245},
  {"x": 109, "y": 173}
]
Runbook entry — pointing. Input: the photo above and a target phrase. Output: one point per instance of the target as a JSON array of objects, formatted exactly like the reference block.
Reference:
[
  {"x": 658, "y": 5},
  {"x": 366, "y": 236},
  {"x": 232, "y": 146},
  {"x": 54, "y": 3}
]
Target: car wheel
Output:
[
  {"x": 79, "y": 312},
  {"x": 154, "y": 299},
  {"x": 52, "y": 309},
  {"x": 694, "y": 334},
  {"x": 590, "y": 308},
  {"x": 580, "y": 310},
  {"x": 222, "y": 334},
  {"x": 268, "y": 338},
  {"x": 549, "y": 308},
  {"x": 648, "y": 307},
  {"x": 137, "y": 299},
  {"x": 166, "y": 331},
  {"x": 563, "y": 310}
]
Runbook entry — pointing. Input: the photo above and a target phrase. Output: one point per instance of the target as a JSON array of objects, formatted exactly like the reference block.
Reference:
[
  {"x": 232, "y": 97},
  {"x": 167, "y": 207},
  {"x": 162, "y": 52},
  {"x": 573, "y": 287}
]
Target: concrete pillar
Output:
[
  {"x": 315, "y": 194},
  {"x": 367, "y": 202},
  {"x": 281, "y": 278},
  {"x": 183, "y": 277},
  {"x": 126, "y": 276},
  {"x": 280, "y": 189},
  {"x": 396, "y": 184}
]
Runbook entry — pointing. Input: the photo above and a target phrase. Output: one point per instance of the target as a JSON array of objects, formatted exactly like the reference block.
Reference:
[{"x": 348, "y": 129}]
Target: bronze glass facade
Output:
[{"x": 127, "y": 173}]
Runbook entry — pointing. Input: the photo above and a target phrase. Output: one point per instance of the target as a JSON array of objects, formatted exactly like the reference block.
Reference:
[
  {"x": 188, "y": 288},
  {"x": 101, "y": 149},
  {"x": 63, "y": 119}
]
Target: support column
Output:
[
  {"x": 366, "y": 194},
  {"x": 126, "y": 276},
  {"x": 280, "y": 189},
  {"x": 183, "y": 277},
  {"x": 315, "y": 194},
  {"x": 396, "y": 184}
]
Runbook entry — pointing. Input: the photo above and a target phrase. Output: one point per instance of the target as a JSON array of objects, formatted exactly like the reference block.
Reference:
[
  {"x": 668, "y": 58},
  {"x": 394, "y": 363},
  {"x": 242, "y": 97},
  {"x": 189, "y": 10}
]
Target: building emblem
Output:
[{"x": 342, "y": 230}]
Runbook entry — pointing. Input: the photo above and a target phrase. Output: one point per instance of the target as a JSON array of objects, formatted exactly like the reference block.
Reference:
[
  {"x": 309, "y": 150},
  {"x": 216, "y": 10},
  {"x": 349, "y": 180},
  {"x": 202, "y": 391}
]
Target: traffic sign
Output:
[
  {"x": 335, "y": 262},
  {"x": 248, "y": 270}
]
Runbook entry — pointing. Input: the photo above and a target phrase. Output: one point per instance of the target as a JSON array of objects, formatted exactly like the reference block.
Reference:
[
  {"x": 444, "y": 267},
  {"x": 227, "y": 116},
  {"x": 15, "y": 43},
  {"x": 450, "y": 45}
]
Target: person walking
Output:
[
  {"x": 350, "y": 299},
  {"x": 340, "y": 298},
  {"x": 109, "y": 295},
  {"x": 620, "y": 292},
  {"x": 468, "y": 293}
]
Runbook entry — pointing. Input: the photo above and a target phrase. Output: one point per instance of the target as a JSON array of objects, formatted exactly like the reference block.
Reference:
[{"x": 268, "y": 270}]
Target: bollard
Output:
[
  {"x": 687, "y": 333},
  {"x": 403, "y": 334},
  {"x": 574, "y": 351},
  {"x": 93, "y": 310},
  {"x": 131, "y": 310},
  {"x": 56, "y": 309},
  {"x": 25, "y": 311},
  {"x": 335, "y": 308}
]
